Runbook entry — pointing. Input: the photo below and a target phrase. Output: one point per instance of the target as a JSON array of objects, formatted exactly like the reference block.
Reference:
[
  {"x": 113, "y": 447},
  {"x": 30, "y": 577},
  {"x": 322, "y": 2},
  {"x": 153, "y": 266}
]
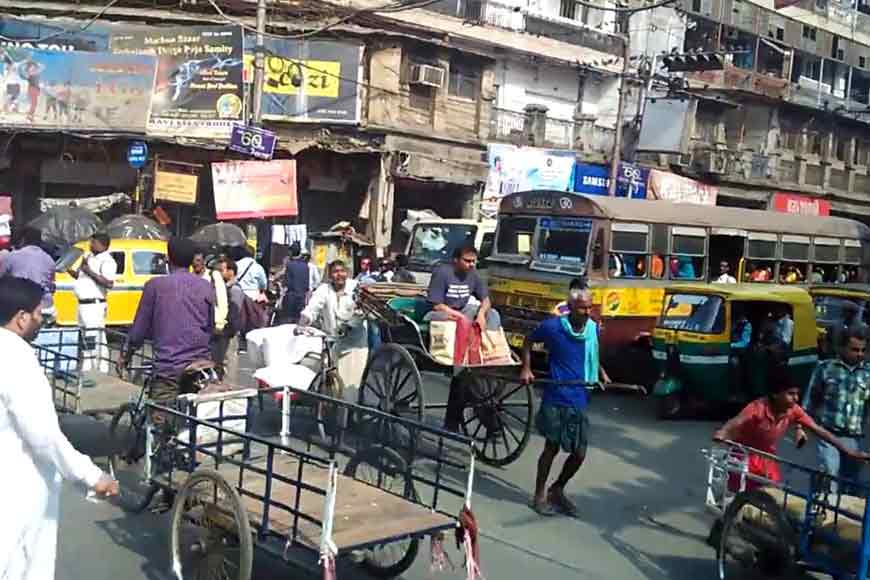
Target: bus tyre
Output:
[{"x": 669, "y": 406}]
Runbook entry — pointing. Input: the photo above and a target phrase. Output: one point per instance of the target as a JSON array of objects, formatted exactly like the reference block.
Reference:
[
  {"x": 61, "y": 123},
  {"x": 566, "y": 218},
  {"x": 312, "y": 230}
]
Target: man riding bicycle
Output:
[{"x": 176, "y": 312}]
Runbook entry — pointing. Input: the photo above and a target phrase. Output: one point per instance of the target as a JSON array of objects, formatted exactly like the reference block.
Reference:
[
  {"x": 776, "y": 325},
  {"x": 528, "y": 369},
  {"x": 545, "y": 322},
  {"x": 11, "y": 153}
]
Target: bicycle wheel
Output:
[
  {"x": 210, "y": 536},
  {"x": 383, "y": 468},
  {"x": 127, "y": 432}
]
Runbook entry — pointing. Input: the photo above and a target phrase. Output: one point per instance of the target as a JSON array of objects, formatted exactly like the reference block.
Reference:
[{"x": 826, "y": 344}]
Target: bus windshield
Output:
[
  {"x": 693, "y": 312},
  {"x": 434, "y": 243},
  {"x": 563, "y": 241},
  {"x": 834, "y": 310}
]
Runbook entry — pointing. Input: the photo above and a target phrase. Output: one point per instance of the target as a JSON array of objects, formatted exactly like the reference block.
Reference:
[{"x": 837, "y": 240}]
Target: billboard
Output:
[
  {"x": 310, "y": 80},
  {"x": 679, "y": 189},
  {"x": 513, "y": 169},
  {"x": 199, "y": 91},
  {"x": 254, "y": 189},
  {"x": 793, "y": 203},
  {"x": 594, "y": 179},
  {"x": 83, "y": 91}
]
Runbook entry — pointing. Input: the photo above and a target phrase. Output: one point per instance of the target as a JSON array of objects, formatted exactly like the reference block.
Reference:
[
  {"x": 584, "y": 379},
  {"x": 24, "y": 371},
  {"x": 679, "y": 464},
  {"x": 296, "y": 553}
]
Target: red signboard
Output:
[
  {"x": 800, "y": 204},
  {"x": 254, "y": 189}
]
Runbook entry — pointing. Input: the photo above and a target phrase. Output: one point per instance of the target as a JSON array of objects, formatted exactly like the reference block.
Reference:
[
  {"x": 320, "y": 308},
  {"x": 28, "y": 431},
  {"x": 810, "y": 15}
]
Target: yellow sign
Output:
[
  {"x": 314, "y": 78},
  {"x": 175, "y": 187}
]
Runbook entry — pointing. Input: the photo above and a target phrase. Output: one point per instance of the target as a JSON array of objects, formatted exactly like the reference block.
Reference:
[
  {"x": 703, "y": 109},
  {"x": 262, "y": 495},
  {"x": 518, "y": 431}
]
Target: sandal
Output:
[
  {"x": 543, "y": 508},
  {"x": 563, "y": 504}
]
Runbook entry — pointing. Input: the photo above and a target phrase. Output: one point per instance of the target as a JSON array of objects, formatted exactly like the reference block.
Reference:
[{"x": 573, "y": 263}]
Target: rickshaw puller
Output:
[{"x": 572, "y": 343}]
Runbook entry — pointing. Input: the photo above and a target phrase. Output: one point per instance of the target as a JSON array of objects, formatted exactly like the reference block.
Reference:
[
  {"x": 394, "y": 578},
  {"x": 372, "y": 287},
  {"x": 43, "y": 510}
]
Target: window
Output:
[
  {"x": 780, "y": 33},
  {"x": 150, "y": 263},
  {"x": 809, "y": 33},
  {"x": 514, "y": 236},
  {"x": 659, "y": 250},
  {"x": 826, "y": 250},
  {"x": 852, "y": 252},
  {"x": 564, "y": 242},
  {"x": 862, "y": 62},
  {"x": 693, "y": 312},
  {"x": 795, "y": 248},
  {"x": 760, "y": 264},
  {"x": 464, "y": 80},
  {"x": 688, "y": 250},
  {"x": 567, "y": 9},
  {"x": 434, "y": 243},
  {"x": 120, "y": 261},
  {"x": 629, "y": 244}
]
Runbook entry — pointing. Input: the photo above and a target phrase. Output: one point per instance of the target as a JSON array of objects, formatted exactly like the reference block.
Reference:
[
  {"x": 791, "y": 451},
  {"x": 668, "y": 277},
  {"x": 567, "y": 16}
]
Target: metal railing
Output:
[{"x": 518, "y": 128}]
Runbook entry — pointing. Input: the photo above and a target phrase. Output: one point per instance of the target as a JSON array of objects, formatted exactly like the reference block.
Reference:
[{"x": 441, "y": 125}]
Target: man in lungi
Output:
[{"x": 572, "y": 343}]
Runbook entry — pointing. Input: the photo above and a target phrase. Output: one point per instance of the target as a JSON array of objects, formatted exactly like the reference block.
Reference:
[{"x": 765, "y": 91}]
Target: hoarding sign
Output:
[
  {"x": 199, "y": 91},
  {"x": 84, "y": 91},
  {"x": 513, "y": 169},
  {"x": 594, "y": 179},
  {"x": 679, "y": 189},
  {"x": 175, "y": 187},
  {"x": 254, "y": 189},
  {"x": 793, "y": 203},
  {"x": 253, "y": 141}
]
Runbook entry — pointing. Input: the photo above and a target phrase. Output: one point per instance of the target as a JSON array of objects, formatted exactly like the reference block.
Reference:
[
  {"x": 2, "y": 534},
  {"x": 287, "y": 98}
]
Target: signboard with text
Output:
[
  {"x": 793, "y": 203},
  {"x": 253, "y": 141},
  {"x": 254, "y": 189},
  {"x": 175, "y": 187},
  {"x": 594, "y": 179},
  {"x": 513, "y": 169},
  {"x": 199, "y": 91},
  {"x": 679, "y": 189}
]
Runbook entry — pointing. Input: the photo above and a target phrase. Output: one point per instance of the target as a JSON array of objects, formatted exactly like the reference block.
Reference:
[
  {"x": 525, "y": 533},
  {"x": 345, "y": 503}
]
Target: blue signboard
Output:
[
  {"x": 592, "y": 179},
  {"x": 258, "y": 143},
  {"x": 137, "y": 154}
]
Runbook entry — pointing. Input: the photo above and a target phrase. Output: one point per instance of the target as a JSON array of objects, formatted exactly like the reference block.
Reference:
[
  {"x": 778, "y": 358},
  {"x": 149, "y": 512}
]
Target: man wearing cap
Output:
[{"x": 572, "y": 343}]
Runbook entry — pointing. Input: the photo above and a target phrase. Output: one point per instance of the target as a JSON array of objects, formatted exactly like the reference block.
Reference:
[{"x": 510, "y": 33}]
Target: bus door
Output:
[{"x": 726, "y": 245}]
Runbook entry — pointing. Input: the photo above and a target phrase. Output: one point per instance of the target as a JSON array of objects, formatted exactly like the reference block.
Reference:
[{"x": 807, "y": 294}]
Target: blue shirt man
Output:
[{"x": 572, "y": 343}]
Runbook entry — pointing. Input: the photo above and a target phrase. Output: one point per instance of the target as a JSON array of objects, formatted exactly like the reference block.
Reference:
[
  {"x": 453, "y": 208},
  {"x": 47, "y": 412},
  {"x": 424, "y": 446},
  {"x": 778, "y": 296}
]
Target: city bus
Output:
[{"x": 628, "y": 250}]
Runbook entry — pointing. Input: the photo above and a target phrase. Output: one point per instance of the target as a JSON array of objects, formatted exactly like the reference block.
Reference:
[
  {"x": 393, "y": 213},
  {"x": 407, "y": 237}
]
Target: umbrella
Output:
[
  {"x": 67, "y": 224},
  {"x": 136, "y": 227},
  {"x": 220, "y": 234}
]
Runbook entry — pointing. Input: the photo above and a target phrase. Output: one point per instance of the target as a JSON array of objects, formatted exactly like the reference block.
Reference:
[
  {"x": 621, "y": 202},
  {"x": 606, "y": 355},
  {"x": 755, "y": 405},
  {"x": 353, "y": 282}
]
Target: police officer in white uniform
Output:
[{"x": 94, "y": 278}]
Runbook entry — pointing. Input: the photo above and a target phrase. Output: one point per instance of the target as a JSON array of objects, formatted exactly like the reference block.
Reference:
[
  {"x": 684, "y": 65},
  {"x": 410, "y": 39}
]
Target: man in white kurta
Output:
[
  {"x": 333, "y": 310},
  {"x": 36, "y": 455}
]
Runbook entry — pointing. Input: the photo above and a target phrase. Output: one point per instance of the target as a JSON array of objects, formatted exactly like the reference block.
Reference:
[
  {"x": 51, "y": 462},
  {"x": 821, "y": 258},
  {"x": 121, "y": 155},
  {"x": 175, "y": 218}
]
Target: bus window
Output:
[
  {"x": 629, "y": 244},
  {"x": 826, "y": 258},
  {"x": 795, "y": 259},
  {"x": 760, "y": 258},
  {"x": 851, "y": 260},
  {"x": 659, "y": 251},
  {"x": 515, "y": 235},
  {"x": 598, "y": 251},
  {"x": 688, "y": 251},
  {"x": 485, "y": 249},
  {"x": 563, "y": 242}
]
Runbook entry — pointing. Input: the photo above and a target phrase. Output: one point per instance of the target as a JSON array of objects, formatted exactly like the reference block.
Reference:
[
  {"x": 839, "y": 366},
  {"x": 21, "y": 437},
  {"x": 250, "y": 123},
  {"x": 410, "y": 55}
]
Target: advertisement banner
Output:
[
  {"x": 785, "y": 202},
  {"x": 310, "y": 80},
  {"x": 199, "y": 91},
  {"x": 513, "y": 169},
  {"x": 175, "y": 187},
  {"x": 593, "y": 179},
  {"x": 254, "y": 189},
  {"x": 679, "y": 189},
  {"x": 84, "y": 91}
]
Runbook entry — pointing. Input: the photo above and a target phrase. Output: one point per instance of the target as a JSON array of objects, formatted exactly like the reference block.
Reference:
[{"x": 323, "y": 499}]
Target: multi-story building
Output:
[{"x": 785, "y": 110}]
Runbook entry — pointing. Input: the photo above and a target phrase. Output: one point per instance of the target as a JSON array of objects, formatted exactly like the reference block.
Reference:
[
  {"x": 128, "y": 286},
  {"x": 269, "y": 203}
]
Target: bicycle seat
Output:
[{"x": 198, "y": 365}]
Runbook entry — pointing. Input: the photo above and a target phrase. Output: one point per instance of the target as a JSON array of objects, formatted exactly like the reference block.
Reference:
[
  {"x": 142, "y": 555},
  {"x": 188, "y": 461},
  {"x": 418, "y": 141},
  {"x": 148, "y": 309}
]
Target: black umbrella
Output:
[
  {"x": 67, "y": 224},
  {"x": 220, "y": 234},
  {"x": 136, "y": 227}
]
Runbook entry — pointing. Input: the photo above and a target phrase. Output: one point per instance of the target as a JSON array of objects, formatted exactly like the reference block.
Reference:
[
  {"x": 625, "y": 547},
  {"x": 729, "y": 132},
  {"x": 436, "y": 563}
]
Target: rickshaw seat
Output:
[{"x": 414, "y": 308}]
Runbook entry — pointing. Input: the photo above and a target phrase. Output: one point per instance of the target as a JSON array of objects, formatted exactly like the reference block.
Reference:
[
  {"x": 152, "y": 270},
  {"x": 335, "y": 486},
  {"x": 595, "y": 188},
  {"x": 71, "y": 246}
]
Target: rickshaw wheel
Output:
[
  {"x": 669, "y": 406},
  {"x": 757, "y": 541},
  {"x": 210, "y": 536},
  {"x": 392, "y": 384},
  {"x": 498, "y": 415},
  {"x": 385, "y": 469}
]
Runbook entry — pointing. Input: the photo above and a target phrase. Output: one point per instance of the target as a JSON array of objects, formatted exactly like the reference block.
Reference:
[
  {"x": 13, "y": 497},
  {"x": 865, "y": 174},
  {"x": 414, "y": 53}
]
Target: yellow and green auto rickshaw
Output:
[
  {"x": 713, "y": 342},
  {"x": 837, "y": 307}
]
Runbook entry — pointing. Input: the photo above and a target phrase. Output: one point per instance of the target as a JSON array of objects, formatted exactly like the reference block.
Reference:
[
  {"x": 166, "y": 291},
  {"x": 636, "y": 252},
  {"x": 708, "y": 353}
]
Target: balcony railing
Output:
[{"x": 520, "y": 128}]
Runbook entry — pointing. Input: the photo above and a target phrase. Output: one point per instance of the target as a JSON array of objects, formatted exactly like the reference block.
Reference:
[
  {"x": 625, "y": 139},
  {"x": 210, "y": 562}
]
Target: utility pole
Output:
[
  {"x": 259, "y": 63},
  {"x": 622, "y": 18}
]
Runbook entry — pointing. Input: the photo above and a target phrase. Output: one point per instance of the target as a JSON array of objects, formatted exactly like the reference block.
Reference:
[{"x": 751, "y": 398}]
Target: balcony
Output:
[{"x": 536, "y": 129}]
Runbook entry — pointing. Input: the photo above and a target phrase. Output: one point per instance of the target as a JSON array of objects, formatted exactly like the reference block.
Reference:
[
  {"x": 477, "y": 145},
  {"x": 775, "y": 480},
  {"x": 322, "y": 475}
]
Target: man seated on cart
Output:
[{"x": 453, "y": 285}]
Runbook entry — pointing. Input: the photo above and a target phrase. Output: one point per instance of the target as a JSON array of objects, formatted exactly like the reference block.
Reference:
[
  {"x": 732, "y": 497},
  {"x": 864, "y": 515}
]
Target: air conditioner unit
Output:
[{"x": 424, "y": 74}]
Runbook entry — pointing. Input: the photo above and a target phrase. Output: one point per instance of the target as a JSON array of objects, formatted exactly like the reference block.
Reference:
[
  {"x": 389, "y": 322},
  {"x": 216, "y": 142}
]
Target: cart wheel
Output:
[
  {"x": 757, "y": 541},
  {"x": 392, "y": 384},
  {"x": 498, "y": 416},
  {"x": 385, "y": 469},
  {"x": 210, "y": 536},
  {"x": 669, "y": 406}
]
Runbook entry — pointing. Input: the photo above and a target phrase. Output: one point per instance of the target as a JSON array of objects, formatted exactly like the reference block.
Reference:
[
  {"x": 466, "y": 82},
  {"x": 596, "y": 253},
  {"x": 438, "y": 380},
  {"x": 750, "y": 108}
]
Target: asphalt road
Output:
[{"x": 640, "y": 496}]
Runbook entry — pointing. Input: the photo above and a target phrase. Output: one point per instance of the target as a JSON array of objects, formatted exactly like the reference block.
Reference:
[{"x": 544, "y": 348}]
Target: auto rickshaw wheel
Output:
[
  {"x": 669, "y": 406},
  {"x": 756, "y": 542},
  {"x": 210, "y": 536}
]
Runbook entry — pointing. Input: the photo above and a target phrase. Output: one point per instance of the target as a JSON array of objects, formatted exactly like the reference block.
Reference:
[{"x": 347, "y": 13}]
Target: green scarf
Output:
[{"x": 590, "y": 337}]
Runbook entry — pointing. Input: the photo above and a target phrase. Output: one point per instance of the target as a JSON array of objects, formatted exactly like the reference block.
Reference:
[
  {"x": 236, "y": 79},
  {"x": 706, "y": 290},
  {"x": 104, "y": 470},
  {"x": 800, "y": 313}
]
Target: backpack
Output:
[{"x": 253, "y": 316}]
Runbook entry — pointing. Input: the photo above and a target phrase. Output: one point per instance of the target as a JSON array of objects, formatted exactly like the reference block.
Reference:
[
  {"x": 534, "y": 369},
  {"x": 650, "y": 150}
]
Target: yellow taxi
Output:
[{"x": 138, "y": 261}]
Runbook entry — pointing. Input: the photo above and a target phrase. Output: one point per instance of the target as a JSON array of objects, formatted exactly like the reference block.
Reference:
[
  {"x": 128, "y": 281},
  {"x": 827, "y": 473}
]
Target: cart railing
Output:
[
  {"x": 436, "y": 465},
  {"x": 68, "y": 354}
]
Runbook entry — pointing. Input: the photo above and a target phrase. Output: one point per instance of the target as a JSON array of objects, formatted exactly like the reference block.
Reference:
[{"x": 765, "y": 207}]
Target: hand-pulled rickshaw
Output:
[
  {"x": 712, "y": 343},
  {"x": 779, "y": 530}
]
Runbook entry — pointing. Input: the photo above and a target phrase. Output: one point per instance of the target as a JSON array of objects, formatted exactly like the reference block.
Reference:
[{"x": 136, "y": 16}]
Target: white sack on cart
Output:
[
  {"x": 207, "y": 410},
  {"x": 279, "y": 344}
]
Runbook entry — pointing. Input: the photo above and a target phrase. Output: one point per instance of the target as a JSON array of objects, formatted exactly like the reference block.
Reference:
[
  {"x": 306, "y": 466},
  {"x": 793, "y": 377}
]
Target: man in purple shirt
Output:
[
  {"x": 177, "y": 313},
  {"x": 32, "y": 263}
]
